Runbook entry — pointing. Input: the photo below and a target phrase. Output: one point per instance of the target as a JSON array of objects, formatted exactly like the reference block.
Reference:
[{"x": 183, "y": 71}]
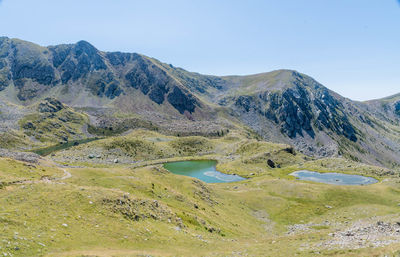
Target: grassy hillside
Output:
[{"x": 124, "y": 210}]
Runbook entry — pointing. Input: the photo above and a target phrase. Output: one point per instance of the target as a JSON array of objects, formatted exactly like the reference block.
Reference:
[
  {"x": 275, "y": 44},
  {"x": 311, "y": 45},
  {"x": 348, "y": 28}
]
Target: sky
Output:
[{"x": 350, "y": 46}]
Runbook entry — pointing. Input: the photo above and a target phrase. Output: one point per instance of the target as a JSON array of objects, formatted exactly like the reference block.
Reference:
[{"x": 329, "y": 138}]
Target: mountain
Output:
[{"x": 106, "y": 93}]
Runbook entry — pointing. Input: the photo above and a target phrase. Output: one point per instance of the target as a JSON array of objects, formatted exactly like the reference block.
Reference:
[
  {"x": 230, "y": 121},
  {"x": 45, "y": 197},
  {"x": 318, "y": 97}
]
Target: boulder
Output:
[{"x": 271, "y": 163}]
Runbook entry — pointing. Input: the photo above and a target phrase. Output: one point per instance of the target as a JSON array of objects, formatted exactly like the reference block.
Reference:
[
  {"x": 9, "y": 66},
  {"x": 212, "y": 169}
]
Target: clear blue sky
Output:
[{"x": 351, "y": 46}]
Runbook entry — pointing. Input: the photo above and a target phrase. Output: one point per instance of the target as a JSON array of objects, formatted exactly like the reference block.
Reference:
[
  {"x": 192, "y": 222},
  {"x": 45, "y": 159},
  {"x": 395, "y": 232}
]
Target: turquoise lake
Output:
[
  {"x": 204, "y": 170},
  {"x": 333, "y": 178}
]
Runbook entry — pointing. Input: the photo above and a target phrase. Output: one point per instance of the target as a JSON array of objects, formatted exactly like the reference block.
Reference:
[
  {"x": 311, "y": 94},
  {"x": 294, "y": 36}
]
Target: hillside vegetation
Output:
[{"x": 134, "y": 209}]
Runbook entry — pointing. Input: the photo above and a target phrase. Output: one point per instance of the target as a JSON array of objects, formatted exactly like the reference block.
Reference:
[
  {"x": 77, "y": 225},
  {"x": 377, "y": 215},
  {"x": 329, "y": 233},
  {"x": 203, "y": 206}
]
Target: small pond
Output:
[
  {"x": 203, "y": 170},
  {"x": 333, "y": 178}
]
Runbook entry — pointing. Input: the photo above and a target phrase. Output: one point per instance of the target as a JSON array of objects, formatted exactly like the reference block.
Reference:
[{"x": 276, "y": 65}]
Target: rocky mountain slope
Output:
[{"x": 109, "y": 93}]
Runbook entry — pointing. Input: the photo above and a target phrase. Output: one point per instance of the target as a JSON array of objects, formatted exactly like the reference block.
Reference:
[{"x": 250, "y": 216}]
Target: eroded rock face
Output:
[
  {"x": 182, "y": 101},
  {"x": 34, "y": 70},
  {"x": 119, "y": 59},
  {"x": 30, "y": 63},
  {"x": 297, "y": 110},
  {"x": 155, "y": 82},
  {"x": 150, "y": 79},
  {"x": 292, "y": 110},
  {"x": 5, "y": 75},
  {"x": 331, "y": 118},
  {"x": 76, "y": 61},
  {"x": 397, "y": 108}
]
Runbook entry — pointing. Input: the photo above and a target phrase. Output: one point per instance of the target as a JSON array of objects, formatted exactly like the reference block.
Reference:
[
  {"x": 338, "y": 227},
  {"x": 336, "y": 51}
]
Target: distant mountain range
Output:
[{"x": 88, "y": 92}]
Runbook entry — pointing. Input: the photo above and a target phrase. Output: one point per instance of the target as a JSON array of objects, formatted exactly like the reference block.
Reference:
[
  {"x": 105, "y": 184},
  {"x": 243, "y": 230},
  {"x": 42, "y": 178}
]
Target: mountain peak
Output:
[{"x": 83, "y": 46}]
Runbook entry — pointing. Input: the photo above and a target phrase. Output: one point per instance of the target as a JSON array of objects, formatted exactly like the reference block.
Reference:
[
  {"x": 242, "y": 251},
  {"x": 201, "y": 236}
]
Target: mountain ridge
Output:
[{"x": 116, "y": 90}]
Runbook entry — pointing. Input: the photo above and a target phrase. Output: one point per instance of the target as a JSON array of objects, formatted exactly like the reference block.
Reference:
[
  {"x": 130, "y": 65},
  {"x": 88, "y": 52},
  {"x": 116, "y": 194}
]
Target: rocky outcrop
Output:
[
  {"x": 29, "y": 62},
  {"x": 291, "y": 110},
  {"x": 153, "y": 81},
  {"x": 300, "y": 109},
  {"x": 50, "y": 105},
  {"x": 150, "y": 79},
  {"x": 182, "y": 101},
  {"x": 397, "y": 108},
  {"x": 76, "y": 61},
  {"x": 5, "y": 75}
]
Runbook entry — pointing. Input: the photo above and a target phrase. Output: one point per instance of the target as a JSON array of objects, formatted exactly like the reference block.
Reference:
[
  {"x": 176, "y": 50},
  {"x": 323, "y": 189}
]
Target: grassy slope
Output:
[{"x": 110, "y": 210}]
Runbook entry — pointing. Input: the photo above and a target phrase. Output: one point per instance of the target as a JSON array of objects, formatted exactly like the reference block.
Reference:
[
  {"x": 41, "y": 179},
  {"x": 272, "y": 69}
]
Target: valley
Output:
[{"x": 119, "y": 154}]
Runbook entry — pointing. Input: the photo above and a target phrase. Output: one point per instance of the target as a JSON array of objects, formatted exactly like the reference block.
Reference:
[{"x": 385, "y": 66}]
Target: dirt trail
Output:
[{"x": 66, "y": 175}]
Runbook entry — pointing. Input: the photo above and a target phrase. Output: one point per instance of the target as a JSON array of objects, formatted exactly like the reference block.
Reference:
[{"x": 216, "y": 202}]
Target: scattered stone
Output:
[
  {"x": 91, "y": 156},
  {"x": 20, "y": 156},
  {"x": 115, "y": 160},
  {"x": 65, "y": 225},
  {"x": 155, "y": 202},
  {"x": 328, "y": 207},
  {"x": 361, "y": 235}
]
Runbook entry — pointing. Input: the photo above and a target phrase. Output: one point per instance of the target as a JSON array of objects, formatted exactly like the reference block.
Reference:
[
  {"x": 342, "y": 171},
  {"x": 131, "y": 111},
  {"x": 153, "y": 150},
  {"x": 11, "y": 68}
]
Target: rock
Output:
[
  {"x": 65, "y": 225},
  {"x": 91, "y": 156},
  {"x": 252, "y": 174},
  {"x": 155, "y": 203},
  {"x": 271, "y": 163},
  {"x": 290, "y": 150},
  {"x": 328, "y": 207},
  {"x": 349, "y": 234},
  {"x": 29, "y": 125},
  {"x": 116, "y": 161}
]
